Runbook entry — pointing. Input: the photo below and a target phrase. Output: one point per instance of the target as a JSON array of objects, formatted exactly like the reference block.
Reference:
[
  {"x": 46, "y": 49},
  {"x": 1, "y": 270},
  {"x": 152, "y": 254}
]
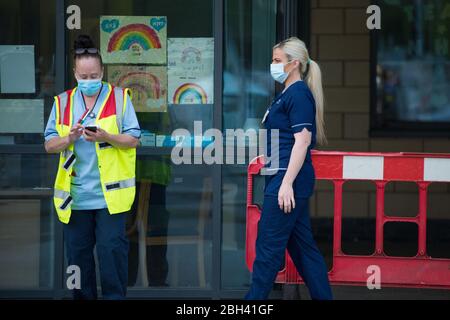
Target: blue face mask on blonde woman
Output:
[
  {"x": 278, "y": 73},
  {"x": 277, "y": 70}
]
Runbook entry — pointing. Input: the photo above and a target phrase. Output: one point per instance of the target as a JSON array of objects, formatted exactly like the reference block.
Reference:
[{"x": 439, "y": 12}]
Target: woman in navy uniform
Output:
[{"x": 297, "y": 114}]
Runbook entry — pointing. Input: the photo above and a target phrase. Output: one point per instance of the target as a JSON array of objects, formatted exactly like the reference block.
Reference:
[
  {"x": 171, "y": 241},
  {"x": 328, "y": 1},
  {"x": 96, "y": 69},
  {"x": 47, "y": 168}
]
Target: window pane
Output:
[
  {"x": 250, "y": 30},
  {"x": 27, "y": 69},
  {"x": 179, "y": 25},
  {"x": 413, "y": 82},
  {"x": 26, "y": 221},
  {"x": 175, "y": 217}
]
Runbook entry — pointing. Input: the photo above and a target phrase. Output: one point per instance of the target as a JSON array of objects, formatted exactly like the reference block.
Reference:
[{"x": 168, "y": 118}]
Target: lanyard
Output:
[
  {"x": 277, "y": 97},
  {"x": 88, "y": 112}
]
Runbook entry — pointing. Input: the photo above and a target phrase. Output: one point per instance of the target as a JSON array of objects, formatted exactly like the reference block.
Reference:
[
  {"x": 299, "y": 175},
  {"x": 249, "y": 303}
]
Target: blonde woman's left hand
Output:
[{"x": 286, "y": 200}]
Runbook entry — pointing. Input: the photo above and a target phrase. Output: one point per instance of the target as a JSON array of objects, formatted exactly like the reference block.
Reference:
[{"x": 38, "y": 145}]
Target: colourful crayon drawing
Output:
[
  {"x": 190, "y": 93},
  {"x": 191, "y": 70},
  {"x": 148, "y": 86},
  {"x": 136, "y": 34},
  {"x": 137, "y": 40}
]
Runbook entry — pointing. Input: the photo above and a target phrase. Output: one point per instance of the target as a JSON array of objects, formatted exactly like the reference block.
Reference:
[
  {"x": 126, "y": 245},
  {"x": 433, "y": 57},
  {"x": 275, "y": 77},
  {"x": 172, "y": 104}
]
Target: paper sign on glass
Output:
[
  {"x": 191, "y": 70},
  {"x": 137, "y": 40},
  {"x": 22, "y": 116},
  {"x": 17, "y": 72},
  {"x": 148, "y": 85}
]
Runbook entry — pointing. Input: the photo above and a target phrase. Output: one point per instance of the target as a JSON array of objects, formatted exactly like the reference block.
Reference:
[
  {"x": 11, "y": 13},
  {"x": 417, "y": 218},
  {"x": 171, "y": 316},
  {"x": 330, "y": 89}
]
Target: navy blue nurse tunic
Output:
[{"x": 291, "y": 111}]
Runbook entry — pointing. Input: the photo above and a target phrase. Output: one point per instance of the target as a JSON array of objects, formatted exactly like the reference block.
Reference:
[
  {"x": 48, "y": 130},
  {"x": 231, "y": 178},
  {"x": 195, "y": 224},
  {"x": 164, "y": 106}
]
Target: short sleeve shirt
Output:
[{"x": 290, "y": 112}]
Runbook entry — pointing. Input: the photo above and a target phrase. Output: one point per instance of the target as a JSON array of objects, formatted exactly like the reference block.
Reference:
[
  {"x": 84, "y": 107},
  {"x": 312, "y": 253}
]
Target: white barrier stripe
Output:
[
  {"x": 363, "y": 168},
  {"x": 436, "y": 169}
]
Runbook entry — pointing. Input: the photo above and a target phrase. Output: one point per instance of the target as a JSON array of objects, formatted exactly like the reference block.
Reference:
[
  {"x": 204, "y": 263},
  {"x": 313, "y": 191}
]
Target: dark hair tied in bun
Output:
[{"x": 83, "y": 46}]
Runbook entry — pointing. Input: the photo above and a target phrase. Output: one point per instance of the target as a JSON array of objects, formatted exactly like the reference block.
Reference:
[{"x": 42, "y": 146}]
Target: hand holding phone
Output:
[
  {"x": 91, "y": 128},
  {"x": 94, "y": 133}
]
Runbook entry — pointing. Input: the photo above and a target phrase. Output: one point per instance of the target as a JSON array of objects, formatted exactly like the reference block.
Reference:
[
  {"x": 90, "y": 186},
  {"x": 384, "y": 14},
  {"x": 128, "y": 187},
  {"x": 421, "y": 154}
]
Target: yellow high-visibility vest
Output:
[{"x": 117, "y": 167}]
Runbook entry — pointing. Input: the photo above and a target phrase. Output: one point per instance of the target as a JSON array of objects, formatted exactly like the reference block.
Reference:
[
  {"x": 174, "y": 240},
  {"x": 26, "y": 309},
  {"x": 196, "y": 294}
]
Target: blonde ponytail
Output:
[
  {"x": 295, "y": 49},
  {"x": 314, "y": 81}
]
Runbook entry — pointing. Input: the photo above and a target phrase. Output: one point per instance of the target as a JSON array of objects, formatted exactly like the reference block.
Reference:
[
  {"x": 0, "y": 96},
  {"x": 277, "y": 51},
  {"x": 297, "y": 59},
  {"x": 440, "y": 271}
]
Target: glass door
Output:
[
  {"x": 27, "y": 87},
  {"x": 249, "y": 35}
]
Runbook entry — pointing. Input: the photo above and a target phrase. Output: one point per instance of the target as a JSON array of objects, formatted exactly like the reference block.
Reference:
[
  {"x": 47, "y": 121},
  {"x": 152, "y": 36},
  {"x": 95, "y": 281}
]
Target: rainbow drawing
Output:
[
  {"x": 145, "y": 84},
  {"x": 189, "y": 52},
  {"x": 134, "y": 34},
  {"x": 190, "y": 93},
  {"x": 148, "y": 85}
]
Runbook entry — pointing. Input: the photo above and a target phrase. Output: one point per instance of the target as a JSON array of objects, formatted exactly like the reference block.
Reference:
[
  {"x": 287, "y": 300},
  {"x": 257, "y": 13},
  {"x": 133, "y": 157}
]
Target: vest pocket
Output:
[{"x": 104, "y": 145}]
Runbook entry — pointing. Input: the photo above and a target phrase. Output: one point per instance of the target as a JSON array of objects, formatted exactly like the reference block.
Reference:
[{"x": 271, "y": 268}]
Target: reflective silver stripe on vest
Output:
[
  {"x": 120, "y": 184},
  {"x": 118, "y": 92},
  {"x": 65, "y": 196},
  {"x": 70, "y": 159},
  {"x": 60, "y": 194}
]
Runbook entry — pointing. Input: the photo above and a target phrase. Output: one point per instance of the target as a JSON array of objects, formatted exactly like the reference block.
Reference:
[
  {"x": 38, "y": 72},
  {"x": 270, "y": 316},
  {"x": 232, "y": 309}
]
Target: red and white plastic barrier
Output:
[{"x": 380, "y": 168}]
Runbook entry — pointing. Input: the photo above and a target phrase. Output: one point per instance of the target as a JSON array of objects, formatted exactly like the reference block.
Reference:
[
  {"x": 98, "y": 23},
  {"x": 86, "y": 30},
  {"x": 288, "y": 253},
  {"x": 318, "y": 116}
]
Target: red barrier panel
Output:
[{"x": 419, "y": 271}]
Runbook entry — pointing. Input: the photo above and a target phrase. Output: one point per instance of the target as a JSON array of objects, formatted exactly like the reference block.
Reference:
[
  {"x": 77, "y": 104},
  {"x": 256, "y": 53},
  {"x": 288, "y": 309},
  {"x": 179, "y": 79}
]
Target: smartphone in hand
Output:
[{"x": 91, "y": 128}]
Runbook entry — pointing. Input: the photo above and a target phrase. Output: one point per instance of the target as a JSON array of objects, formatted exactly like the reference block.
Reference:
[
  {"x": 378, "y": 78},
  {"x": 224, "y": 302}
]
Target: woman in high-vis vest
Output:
[{"x": 95, "y": 130}]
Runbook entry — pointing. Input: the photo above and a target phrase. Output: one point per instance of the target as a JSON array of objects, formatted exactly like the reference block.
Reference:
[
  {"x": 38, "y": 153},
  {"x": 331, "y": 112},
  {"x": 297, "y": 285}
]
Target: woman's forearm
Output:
[
  {"x": 122, "y": 141},
  {"x": 57, "y": 144},
  {"x": 296, "y": 161}
]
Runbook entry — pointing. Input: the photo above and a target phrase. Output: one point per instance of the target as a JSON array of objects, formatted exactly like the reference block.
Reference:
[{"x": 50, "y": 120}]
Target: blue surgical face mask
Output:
[
  {"x": 277, "y": 72},
  {"x": 89, "y": 87}
]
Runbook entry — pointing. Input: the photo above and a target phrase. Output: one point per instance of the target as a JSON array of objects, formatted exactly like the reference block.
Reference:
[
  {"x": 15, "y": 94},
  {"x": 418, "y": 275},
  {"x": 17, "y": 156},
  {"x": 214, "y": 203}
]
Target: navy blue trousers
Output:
[
  {"x": 278, "y": 231},
  {"x": 90, "y": 228}
]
